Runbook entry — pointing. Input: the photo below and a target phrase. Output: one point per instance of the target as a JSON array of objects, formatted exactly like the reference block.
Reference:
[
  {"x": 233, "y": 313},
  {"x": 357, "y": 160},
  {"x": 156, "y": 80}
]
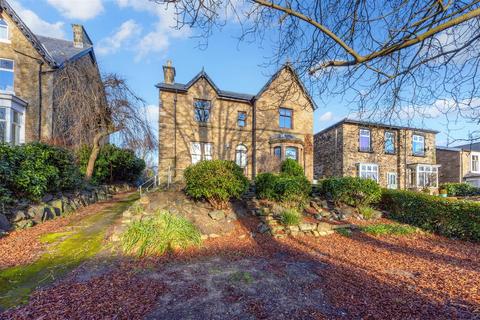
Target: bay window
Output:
[
  {"x": 423, "y": 176},
  {"x": 12, "y": 128},
  {"x": 475, "y": 165},
  {"x": 3, "y": 125},
  {"x": 291, "y": 153}
]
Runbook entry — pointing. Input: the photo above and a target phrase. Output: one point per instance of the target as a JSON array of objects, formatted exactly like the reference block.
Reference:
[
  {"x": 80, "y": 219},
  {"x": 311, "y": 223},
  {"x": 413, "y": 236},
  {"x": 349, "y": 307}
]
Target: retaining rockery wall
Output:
[{"x": 26, "y": 214}]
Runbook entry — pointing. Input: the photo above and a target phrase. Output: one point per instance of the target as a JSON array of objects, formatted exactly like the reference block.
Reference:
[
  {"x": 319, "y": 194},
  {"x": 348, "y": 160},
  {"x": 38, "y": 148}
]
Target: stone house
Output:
[
  {"x": 199, "y": 121},
  {"x": 460, "y": 164},
  {"x": 29, "y": 64},
  {"x": 394, "y": 156}
]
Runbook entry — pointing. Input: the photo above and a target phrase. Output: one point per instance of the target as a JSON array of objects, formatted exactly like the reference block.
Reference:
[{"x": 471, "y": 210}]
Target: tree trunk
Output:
[{"x": 94, "y": 154}]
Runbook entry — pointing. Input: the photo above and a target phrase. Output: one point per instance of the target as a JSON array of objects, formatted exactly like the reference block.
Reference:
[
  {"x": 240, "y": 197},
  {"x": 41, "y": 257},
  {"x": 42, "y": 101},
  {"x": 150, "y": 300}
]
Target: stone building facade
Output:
[
  {"x": 396, "y": 157},
  {"x": 460, "y": 164},
  {"x": 29, "y": 64},
  {"x": 199, "y": 121}
]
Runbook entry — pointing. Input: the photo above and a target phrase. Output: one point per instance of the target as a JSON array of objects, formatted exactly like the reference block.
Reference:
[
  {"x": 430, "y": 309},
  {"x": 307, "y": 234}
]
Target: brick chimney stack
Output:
[
  {"x": 80, "y": 37},
  {"x": 169, "y": 73}
]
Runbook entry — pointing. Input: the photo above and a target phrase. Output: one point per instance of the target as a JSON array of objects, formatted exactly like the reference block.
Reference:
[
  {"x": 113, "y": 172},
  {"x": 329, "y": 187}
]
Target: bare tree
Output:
[
  {"x": 90, "y": 108},
  {"x": 390, "y": 59}
]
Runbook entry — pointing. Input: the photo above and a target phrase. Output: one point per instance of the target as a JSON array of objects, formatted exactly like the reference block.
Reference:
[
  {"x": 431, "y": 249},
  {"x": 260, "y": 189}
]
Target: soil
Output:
[{"x": 245, "y": 275}]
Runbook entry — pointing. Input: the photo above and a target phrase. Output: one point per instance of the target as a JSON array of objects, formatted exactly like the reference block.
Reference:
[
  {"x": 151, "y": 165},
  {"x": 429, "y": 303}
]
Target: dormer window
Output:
[{"x": 3, "y": 30}]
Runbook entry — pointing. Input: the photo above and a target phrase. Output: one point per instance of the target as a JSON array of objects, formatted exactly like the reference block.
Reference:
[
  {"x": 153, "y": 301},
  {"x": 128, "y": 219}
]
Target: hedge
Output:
[
  {"x": 460, "y": 189},
  {"x": 451, "y": 218},
  {"x": 34, "y": 169},
  {"x": 353, "y": 191},
  {"x": 217, "y": 181}
]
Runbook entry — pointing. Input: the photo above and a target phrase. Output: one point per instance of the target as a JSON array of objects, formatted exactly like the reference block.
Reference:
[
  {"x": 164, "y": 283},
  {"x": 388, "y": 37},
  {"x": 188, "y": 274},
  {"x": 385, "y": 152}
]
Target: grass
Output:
[
  {"x": 66, "y": 253},
  {"x": 389, "y": 229},
  {"x": 159, "y": 234},
  {"x": 344, "y": 232},
  {"x": 290, "y": 217},
  {"x": 242, "y": 276},
  {"x": 54, "y": 237},
  {"x": 367, "y": 212}
]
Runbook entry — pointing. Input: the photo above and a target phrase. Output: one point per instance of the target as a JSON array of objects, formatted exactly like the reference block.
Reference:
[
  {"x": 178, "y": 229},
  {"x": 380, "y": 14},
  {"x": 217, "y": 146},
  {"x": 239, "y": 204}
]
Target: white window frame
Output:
[
  {"x": 472, "y": 167},
  {"x": 20, "y": 126},
  {"x": 5, "y": 122},
  {"x": 368, "y": 171},
  {"x": 241, "y": 158},
  {"x": 7, "y": 27},
  {"x": 13, "y": 72},
  {"x": 389, "y": 176},
  {"x": 200, "y": 151},
  {"x": 392, "y": 135},
  {"x": 362, "y": 133},
  {"x": 423, "y": 174},
  {"x": 297, "y": 157},
  {"x": 419, "y": 139}
]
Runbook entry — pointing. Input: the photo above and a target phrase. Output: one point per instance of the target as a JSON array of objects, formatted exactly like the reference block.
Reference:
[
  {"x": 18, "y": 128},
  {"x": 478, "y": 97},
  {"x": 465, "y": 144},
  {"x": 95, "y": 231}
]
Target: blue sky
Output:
[{"x": 134, "y": 38}]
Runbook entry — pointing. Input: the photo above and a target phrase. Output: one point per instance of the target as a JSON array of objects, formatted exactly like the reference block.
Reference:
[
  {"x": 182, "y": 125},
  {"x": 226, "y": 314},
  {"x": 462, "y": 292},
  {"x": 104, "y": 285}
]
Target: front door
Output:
[{"x": 391, "y": 180}]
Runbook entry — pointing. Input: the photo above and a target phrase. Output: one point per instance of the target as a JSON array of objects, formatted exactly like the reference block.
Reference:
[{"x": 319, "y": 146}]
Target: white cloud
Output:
[
  {"x": 122, "y": 36},
  {"x": 38, "y": 25},
  {"x": 78, "y": 9},
  {"x": 158, "y": 40},
  {"x": 327, "y": 116}
]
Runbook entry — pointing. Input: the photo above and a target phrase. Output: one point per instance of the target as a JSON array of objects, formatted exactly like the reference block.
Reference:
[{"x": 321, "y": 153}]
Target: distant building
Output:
[
  {"x": 29, "y": 64},
  {"x": 199, "y": 121},
  {"x": 394, "y": 156},
  {"x": 460, "y": 164}
]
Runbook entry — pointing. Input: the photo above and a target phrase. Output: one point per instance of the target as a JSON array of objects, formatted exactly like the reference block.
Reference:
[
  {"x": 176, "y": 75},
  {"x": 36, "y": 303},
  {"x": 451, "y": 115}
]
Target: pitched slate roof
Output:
[
  {"x": 63, "y": 50},
  {"x": 230, "y": 94},
  {"x": 470, "y": 147},
  {"x": 55, "y": 51}
]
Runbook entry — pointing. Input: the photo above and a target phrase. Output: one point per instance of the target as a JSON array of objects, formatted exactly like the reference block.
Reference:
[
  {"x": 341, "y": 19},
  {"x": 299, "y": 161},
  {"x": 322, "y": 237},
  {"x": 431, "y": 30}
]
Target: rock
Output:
[
  {"x": 213, "y": 235},
  {"x": 315, "y": 206},
  {"x": 324, "y": 204},
  {"x": 3, "y": 233},
  {"x": 294, "y": 228},
  {"x": 127, "y": 214},
  {"x": 24, "y": 224},
  {"x": 263, "y": 228},
  {"x": 48, "y": 214},
  {"x": 323, "y": 227},
  {"x": 47, "y": 198},
  {"x": 306, "y": 227},
  {"x": 318, "y": 216},
  {"x": 204, "y": 237},
  {"x": 277, "y": 209},
  {"x": 4, "y": 223},
  {"x": 217, "y": 215},
  {"x": 242, "y": 236},
  {"x": 57, "y": 203},
  {"x": 346, "y": 211},
  {"x": 18, "y": 215},
  {"x": 315, "y": 233}
]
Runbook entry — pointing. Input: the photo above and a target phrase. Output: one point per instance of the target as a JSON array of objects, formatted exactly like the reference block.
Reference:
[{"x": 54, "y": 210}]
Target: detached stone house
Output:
[
  {"x": 199, "y": 121},
  {"x": 394, "y": 156},
  {"x": 29, "y": 64},
  {"x": 460, "y": 164}
]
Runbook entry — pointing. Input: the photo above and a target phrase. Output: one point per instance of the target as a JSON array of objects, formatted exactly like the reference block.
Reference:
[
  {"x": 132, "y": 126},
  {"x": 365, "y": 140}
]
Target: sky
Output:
[{"x": 134, "y": 38}]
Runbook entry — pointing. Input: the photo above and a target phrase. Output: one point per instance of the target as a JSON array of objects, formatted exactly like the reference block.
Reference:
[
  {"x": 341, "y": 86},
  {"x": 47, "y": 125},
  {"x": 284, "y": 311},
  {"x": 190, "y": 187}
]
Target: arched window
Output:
[
  {"x": 241, "y": 156},
  {"x": 3, "y": 30}
]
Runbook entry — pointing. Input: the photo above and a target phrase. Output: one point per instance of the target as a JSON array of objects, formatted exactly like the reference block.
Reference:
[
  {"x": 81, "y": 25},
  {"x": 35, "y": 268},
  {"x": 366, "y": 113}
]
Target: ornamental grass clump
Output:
[
  {"x": 290, "y": 217},
  {"x": 389, "y": 229},
  {"x": 161, "y": 233}
]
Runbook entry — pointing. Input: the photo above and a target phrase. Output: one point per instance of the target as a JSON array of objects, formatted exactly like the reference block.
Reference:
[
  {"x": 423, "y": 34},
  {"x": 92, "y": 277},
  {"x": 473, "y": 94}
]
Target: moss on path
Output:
[{"x": 67, "y": 251}]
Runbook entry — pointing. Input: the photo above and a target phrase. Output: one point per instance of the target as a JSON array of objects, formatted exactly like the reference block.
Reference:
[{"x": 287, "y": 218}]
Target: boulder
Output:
[
  {"x": 217, "y": 215},
  {"x": 323, "y": 227},
  {"x": 306, "y": 226},
  {"x": 47, "y": 198},
  {"x": 4, "y": 223},
  {"x": 18, "y": 215},
  {"x": 48, "y": 214},
  {"x": 57, "y": 204},
  {"x": 24, "y": 224},
  {"x": 263, "y": 228}
]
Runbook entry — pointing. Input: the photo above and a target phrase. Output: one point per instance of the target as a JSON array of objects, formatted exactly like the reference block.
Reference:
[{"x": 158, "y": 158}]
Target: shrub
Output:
[
  {"x": 389, "y": 229},
  {"x": 161, "y": 233},
  {"x": 452, "y": 218},
  {"x": 353, "y": 191},
  {"x": 217, "y": 181},
  {"x": 283, "y": 188},
  {"x": 33, "y": 169},
  {"x": 290, "y": 217},
  {"x": 291, "y": 167},
  {"x": 460, "y": 189},
  {"x": 113, "y": 164}
]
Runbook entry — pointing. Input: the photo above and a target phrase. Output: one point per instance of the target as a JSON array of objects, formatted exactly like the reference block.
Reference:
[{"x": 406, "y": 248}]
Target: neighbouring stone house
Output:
[
  {"x": 199, "y": 121},
  {"x": 394, "y": 156},
  {"x": 29, "y": 64},
  {"x": 460, "y": 164}
]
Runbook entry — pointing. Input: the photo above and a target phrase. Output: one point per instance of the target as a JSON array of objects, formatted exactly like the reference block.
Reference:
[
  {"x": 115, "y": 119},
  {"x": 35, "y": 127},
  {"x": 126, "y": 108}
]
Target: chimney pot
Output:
[
  {"x": 80, "y": 37},
  {"x": 169, "y": 72}
]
